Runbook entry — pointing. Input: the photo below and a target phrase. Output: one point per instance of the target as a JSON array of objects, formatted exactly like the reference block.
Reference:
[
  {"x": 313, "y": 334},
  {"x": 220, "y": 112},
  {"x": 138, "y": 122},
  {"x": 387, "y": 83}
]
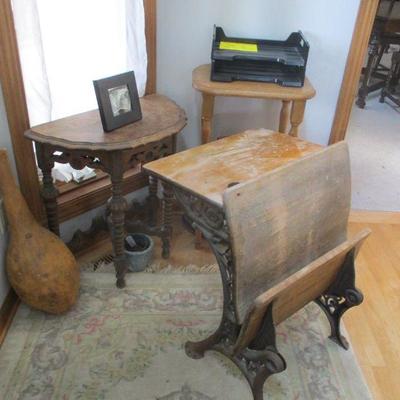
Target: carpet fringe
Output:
[
  {"x": 191, "y": 268},
  {"x": 158, "y": 268}
]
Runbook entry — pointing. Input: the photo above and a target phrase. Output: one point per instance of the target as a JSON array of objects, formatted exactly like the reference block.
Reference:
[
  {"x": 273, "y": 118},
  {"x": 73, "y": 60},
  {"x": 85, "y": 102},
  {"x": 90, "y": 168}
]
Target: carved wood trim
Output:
[
  {"x": 73, "y": 203},
  {"x": 355, "y": 60}
]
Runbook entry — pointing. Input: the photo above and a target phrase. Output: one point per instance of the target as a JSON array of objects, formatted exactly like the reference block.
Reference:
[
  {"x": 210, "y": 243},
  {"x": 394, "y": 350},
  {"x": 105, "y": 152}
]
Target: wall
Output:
[
  {"x": 5, "y": 141},
  {"x": 184, "y": 41}
]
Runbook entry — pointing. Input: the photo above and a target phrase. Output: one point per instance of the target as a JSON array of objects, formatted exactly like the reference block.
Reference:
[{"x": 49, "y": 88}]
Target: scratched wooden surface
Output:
[
  {"x": 210, "y": 169},
  {"x": 286, "y": 219},
  {"x": 161, "y": 118}
]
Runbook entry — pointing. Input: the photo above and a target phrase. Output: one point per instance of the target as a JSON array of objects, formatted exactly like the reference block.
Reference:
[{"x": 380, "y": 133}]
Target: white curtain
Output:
[{"x": 65, "y": 44}]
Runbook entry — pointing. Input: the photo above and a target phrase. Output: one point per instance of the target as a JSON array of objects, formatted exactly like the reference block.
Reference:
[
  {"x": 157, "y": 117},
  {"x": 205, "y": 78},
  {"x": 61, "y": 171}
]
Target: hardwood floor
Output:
[{"x": 374, "y": 327}]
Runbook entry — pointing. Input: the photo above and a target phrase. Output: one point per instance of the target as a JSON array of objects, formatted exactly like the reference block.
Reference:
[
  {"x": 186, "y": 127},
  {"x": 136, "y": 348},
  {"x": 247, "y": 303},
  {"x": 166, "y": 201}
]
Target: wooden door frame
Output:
[
  {"x": 18, "y": 120},
  {"x": 16, "y": 108},
  {"x": 355, "y": 61}
]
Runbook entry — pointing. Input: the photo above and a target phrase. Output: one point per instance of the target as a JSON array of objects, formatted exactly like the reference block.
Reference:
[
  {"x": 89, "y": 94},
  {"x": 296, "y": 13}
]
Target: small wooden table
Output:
[
  {"x": 288, "y": 95},
  {"x": 80, "y": 141}
]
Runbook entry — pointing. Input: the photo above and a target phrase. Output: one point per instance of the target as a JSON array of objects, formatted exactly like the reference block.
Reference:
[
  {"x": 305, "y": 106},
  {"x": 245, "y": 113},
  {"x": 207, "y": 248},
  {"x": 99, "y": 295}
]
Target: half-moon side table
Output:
[
  {"x": 293, "y": 99},
  {"x": 80, "y": 141}
]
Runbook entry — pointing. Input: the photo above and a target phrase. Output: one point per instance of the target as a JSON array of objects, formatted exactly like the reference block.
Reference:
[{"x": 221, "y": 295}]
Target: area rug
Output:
[{"x": 128, "y": 344}]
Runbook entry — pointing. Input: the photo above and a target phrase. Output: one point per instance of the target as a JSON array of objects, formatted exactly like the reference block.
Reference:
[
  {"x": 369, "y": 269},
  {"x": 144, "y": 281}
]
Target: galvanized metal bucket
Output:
[{"x": 139, "y": 249}]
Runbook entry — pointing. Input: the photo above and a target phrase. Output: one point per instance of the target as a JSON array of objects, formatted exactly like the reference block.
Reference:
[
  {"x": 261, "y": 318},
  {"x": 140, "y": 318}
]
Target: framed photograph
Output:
[{"x": 118, "y": 100}]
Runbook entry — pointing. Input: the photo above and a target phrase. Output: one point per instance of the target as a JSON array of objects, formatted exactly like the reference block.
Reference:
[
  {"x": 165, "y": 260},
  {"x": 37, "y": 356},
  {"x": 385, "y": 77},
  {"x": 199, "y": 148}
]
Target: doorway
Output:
[{"x": 373, "y": 132}]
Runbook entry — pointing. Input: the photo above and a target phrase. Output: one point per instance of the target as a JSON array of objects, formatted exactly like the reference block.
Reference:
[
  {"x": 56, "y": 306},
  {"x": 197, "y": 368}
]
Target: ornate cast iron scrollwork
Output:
[
  {"x": 208, "y": 217},
  {"x": 260, "y": 359},
  {"x": 340, "y": 297}
]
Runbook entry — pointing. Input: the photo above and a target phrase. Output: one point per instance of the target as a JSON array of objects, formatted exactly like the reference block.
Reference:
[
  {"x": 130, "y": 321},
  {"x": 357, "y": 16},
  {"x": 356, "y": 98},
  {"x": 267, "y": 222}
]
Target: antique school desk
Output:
[
  {"x": 81, "y": 141},
  {"x": 200, "y": 176},
  {"x": 293, "y": 99}
]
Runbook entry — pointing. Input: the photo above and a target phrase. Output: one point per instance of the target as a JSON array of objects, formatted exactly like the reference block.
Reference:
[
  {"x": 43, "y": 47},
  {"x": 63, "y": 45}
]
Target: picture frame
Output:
[{"x": 118, "y": 100}]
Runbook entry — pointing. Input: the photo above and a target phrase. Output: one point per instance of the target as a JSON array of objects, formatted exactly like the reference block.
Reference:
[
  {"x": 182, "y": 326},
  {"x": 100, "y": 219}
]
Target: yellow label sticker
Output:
[{"x": 236, "y": 46}]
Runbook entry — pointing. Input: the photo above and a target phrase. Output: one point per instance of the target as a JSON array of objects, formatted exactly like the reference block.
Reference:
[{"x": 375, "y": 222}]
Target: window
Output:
[
  {"x": 65, "y": 44},
  {"x": 79, "y": 199}
]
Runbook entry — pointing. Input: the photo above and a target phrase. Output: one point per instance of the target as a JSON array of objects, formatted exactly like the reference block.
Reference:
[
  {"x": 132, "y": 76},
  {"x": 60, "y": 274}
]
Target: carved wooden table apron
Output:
[
  {"x": 81, "y": 141},
  {"x": 203, "y": 175},
  {"x": 293, "y": 99}
]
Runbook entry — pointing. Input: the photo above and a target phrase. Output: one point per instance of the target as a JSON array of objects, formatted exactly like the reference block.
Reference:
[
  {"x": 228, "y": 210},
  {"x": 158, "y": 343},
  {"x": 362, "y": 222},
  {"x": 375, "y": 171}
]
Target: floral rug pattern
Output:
[{"x": 128, "y": 344}]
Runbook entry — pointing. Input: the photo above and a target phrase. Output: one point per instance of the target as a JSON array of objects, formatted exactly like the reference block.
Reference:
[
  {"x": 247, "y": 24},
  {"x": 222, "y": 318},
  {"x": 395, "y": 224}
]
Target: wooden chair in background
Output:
[
  {"x": 385, "y": 33},
  {"x": 394, "y": 75},
  {"x": 283, "y": 244}
]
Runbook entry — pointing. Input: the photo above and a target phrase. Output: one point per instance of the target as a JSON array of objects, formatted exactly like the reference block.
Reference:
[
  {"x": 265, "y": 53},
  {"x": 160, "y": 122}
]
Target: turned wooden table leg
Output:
[
  {"x": 118, "y": 206},
  {"x": 297, "y": 116},
  {"x": 48, "y": 191},
  {"x": 284, "y": 117},
  {"x": 153, "y": 200},
  {"x": 207, "y": 114},
  {"x": 168, "y": 198}
]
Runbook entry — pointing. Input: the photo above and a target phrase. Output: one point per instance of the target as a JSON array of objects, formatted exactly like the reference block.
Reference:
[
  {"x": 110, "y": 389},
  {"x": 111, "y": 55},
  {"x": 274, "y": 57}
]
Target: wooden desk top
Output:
[
  {"x": 203, "y": 83},
  {"x": 208, "y": 170},
  {"x": 161, "y": 118}
]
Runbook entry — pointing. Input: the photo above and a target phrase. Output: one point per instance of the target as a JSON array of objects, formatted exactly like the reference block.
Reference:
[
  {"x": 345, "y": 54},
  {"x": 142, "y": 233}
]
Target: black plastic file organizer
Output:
[{"x": 282, "y": 62}]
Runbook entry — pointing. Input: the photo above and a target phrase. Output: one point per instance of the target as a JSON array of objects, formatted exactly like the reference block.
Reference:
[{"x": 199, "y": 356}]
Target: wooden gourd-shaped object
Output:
[{"x": 40, "y": 267}]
